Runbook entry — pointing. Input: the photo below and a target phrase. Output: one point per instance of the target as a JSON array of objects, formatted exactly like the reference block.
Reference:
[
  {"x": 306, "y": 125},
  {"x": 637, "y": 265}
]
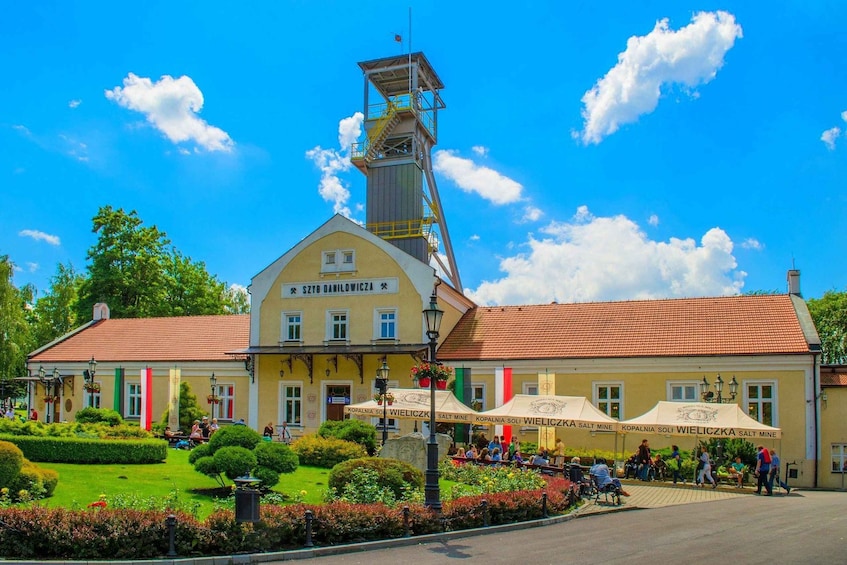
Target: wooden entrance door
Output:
[{"x": 337, "y": 396}]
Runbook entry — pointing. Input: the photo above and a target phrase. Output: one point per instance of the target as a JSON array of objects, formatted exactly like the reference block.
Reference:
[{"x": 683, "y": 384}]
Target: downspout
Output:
[{"x": 815, "y": 404}]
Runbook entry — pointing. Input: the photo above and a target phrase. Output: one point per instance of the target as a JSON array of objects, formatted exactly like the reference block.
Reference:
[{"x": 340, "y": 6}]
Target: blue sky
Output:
[{"x": 589, "y": 151}]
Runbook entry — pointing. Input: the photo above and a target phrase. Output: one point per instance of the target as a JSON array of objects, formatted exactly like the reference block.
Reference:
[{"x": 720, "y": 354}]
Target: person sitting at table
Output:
[
  {"x": 484, "y": 455},
  {"x": 659, "y": 469},
  {"x": 517, "y": 458},
  {"x": 495, "y": 454},
  {"x": 213, "y": 427},
  {"x": 736, "y": 471},
  {"x": 196, "y": 434},
  {"x": 471, "y": 452},
  {"x": 268, "y": 432},
  {"x": 539, "y": 459}
]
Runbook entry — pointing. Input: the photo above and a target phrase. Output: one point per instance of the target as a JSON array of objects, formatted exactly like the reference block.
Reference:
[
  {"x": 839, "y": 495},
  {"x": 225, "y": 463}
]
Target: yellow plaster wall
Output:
[{"x": 833, "y": 431}]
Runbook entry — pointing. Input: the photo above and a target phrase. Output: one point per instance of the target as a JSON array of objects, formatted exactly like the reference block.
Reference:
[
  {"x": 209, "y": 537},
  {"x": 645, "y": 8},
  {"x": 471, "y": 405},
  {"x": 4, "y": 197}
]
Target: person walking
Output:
[
  {"x": 763, "y": 468},
  {"x": 774, "y": 473},
  {"x": 675, "y": 464},
  {"x": 706, "y": 470}
]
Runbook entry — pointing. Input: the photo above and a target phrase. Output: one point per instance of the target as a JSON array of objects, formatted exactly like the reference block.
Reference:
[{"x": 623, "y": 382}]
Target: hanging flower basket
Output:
[
  {"x": 424, "y": 372},
  {"x": 212, "y": 399},
  {"x": 48, "y": 400},
  {"x": 91, "y": 387},
  {"x": 388, "y": 398}
]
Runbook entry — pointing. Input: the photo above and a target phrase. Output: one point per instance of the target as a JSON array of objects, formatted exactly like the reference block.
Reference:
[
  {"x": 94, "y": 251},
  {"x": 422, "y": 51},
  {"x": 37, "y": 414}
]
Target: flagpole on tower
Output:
[{"x": 410, "y": 54}]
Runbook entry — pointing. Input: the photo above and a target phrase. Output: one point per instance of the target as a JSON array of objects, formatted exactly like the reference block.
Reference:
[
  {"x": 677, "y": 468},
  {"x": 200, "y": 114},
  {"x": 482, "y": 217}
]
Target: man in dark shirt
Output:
[{"x": 643, "y": 459}]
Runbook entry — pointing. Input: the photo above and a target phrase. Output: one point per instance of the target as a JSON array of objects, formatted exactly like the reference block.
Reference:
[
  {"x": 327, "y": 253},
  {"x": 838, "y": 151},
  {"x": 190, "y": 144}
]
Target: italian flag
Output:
[{"x": 503, "y": 394}]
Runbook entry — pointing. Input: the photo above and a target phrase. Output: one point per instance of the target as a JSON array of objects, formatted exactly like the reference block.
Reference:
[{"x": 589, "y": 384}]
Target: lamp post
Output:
[
  {"x": 213, "y": 382},
  {"x": 709, "y": 396},
  {"x": 382, "y": 387},
  {"x": 48, "y": 382},
  {"x": 88, "y": 376},
  {"x": 432, "y": 494}
]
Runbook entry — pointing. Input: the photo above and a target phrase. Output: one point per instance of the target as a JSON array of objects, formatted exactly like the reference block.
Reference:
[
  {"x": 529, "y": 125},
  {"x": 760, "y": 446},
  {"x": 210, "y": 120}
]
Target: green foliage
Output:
[
  {"x": 38, "y": 482},
  {"x": 276, "y": 456},
  {"x": 268, "y": 476},
  {"x": 11, "y": 461},
  {"x": 206, "y": 465},
  {"x": 234, "y": 461},
  {"x": 830, "y": 316},
  {"x": 138, "y": 274},
  {"x": 731, "y": 448},
  {"x": 202, "y": 450},
  {"x": 54, "y": 313},
  {"x": 479, "y": 479},
  {"x": 325, "y": 452},
  {"x": 77, "y": 450},
  {"x": 362, "y": 486},
  {"x": 392, "y": 475},
  {"x": 351, "y": 430},
  {"x": 16, "y": 335},
  {"x": 242, "y": 436},
  {"x": 73, "y": 430},
  {"x": 91, "y": 415}
]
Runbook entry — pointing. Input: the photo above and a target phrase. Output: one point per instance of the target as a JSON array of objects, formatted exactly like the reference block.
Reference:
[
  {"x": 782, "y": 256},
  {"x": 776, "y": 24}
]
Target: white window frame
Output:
[
  {"x": 331, "y": 323},
  {"x": 92, "y": 399},
  {"x": 484, "y": 390},
  {"x": 378, "y": 323},
  {"x": 224, "y": 410},
  {"x": 683, "y": 384},
  {"x": 133, "y": 399},
  {"x": 287, "y": 324},
  {"x": 393, "y": 423},
  {"x": 838, "y": 458},
  {"x": 773, "y": 400},
  {"x": 338, "y": 261},
  {"x": 596, "y": 386},
  {"x": 293, "y": 421}
]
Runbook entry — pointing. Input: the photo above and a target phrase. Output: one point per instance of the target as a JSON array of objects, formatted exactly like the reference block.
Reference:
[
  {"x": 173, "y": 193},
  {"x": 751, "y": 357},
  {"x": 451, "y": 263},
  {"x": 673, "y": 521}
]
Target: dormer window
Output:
[{"x": 339, "y": 261}]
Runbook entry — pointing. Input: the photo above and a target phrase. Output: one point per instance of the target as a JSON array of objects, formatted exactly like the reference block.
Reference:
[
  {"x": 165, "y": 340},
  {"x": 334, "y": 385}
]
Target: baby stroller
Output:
[{"x": 581, "y": 485}]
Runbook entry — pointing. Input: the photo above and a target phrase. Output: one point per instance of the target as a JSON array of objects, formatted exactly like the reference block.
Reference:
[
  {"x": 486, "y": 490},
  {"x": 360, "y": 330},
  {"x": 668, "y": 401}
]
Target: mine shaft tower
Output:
[{"x": 402, "y": 99}]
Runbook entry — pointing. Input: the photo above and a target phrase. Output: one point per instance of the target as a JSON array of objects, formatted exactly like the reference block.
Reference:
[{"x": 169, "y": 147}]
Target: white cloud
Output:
[
  {"x": 829, "y": 137},
  {"x": 531, "y": 214},
  {"x": 474, "y": 237},
  {"x": 611, "y": 258},
  {"x": 470, "y": 177},
  {"x": 75, "y": 148},
  {"x": 331, "y": 162},
  {"x": 688, "y": 57},
  {"x": 23, "y": 129},
  {"x": 653, "y": 220},
  {"x": 752, "y": 243},
  {"x": 32, "y": 267},
  {"x": 74, "y": 103},
  {"x": 41, "y": 236},
  {"x": 171, "y": 106},
  {"x": 480, "y": 150}
]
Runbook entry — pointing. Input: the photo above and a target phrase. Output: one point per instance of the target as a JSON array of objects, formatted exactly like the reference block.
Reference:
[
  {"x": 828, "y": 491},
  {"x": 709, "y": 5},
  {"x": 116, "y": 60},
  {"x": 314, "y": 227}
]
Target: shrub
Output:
[
  {"x": 268, "y": 476},
  {"x": 276, "y": 456},
  {"x": 395, "y": 475},
  {"x": 326, "y": 452},
  {"x": 351, "y": 430},
  {"x": 206, "y": 465},
  {"x": 234, "y": 461},
  {"x": 95, "y": 415},
  {"x": 78, "y": 450},
  {"x": 241, "y": 436},
  {"x": 202, "y": 450},
  {"x": 11, "y": 461}
]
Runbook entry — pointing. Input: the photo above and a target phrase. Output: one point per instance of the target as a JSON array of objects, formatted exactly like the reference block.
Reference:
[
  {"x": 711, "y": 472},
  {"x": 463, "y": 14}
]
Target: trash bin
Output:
[{"x": 246, "y": 500}]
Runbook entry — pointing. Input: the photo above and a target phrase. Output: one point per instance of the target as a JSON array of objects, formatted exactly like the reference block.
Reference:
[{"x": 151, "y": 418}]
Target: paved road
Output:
[{"x": 717, "y": 528}]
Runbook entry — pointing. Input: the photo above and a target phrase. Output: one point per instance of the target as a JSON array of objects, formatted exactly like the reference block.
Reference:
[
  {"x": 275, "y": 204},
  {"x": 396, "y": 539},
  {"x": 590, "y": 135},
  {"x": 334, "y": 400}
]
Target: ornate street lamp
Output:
[
  {"x": 88, "y": 377},
  {"x": 709, "y": 396},
  {"x": 432, "y": 494},
  {"x": 213, "y": 397},
  {"x": 382, "y": 387}
]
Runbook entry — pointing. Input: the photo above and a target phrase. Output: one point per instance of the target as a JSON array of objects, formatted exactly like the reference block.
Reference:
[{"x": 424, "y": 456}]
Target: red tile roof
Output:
[
  {"x": 834, "y": 376},
  {"x": 187, "y": 338},
  {"x": 736, "y": 325}
]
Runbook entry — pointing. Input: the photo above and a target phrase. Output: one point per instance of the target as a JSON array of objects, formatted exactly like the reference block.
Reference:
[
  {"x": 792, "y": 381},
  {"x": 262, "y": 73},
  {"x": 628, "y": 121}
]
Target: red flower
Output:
[{"x": 98, "y": 504}]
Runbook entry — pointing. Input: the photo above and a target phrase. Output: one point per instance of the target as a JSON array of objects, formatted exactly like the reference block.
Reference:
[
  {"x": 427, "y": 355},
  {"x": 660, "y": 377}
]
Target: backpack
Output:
[{"x": 766, "y": 456}]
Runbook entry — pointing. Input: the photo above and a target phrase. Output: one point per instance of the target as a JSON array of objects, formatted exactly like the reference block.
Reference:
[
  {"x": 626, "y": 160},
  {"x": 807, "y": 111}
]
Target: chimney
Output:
[
  {"x": 794, "y": 282},
  {"x": 101, "y": 311}
]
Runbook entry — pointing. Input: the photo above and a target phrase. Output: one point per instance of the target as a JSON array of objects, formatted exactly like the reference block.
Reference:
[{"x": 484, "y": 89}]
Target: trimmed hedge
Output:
[
  {"x": 11, "y": 461},
  {"x": 326, "y": 452},
  {"x": 393, "y": 474},
  {"x": 76, "y": 450},
  {"x": 38, "y": 533}
]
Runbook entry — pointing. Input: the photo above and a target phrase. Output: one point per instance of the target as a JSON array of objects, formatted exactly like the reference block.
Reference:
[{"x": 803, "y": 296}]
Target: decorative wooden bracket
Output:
[
  {"x": 306, "y": 358},
  {"x": 357, "y": 359}
]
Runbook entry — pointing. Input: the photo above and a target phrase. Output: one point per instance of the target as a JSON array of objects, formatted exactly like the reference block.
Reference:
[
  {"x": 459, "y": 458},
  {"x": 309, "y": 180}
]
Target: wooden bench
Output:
[{"x": 547, "y": 469}]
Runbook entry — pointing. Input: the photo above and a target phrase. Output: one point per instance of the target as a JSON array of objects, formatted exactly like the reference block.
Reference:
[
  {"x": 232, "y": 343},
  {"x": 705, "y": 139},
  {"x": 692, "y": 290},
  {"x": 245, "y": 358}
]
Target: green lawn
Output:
[{"x": 80, "y": 485}]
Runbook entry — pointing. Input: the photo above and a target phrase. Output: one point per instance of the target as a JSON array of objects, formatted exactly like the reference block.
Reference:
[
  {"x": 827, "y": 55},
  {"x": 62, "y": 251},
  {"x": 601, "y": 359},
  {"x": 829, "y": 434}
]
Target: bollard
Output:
[
  {"x": 170, "y": 522},
  {"x": 309, "y": 518},
  {"x": 544, "y": 504},
  {"x": 484, "y": 505},
  {"x": 406, "y": 524}
]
